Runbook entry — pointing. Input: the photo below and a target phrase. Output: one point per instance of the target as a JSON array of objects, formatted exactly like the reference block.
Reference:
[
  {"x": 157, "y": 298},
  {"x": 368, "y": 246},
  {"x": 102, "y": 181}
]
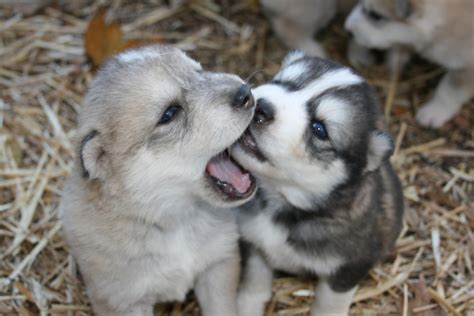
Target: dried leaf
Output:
[{"x": 102, "y": 40}]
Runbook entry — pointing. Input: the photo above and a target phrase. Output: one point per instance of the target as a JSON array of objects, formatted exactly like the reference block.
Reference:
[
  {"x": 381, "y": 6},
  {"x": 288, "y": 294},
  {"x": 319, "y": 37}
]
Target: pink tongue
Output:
[{"x": 222, "y": 168}]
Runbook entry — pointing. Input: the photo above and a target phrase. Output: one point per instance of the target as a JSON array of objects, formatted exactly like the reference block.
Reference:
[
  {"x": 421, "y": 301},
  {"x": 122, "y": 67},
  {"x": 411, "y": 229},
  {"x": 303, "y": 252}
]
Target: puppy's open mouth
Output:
[
  {"x": 249, "y": 145},
  {"x": 230, "y": 178}
]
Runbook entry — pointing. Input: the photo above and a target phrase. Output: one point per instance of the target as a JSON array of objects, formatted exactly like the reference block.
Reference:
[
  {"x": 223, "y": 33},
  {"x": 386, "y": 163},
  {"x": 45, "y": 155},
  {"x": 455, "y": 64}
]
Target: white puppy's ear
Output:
[
  {"x": 92, "y": 157},
  {"x": 292, "y": 56},
  {"x": 402, "y": 8},
  {"x": 380, "y": 148}
]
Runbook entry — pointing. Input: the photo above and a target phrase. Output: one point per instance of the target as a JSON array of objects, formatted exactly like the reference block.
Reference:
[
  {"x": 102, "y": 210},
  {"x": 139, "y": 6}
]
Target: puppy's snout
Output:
[
  {"x": 264, "y": 112},
  {"x": 243, "y": 98}
]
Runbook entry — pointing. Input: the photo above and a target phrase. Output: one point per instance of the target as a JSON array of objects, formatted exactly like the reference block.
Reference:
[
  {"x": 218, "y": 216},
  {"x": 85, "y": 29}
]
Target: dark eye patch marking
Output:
[{"x": 360, "y": 98}]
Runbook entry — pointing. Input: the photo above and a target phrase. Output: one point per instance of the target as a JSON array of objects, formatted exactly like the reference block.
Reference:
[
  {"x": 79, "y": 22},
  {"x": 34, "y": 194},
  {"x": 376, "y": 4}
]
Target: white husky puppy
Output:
[{"x": 143, "y": 210}]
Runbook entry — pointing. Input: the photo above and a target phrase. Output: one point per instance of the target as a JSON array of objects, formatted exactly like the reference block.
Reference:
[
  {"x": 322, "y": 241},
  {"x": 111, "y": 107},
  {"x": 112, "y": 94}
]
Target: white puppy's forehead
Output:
[{"x": 157, "y": 53}]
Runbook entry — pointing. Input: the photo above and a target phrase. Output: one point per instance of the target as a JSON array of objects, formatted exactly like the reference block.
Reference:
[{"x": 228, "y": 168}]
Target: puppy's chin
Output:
[{"x": 248, "y": 154}]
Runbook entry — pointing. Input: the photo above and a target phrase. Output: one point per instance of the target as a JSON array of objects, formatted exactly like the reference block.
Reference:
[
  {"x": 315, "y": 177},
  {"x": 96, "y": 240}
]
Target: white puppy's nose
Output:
[{"x": 243, "y": 98}]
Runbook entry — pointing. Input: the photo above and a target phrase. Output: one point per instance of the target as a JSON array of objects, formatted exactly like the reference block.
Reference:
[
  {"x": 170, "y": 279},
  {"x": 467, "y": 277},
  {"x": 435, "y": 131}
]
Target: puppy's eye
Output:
[
  {"x": 374, "y": 16},
  {"x": 169, "y": 114},
  {"x": 319, "y": 130}
]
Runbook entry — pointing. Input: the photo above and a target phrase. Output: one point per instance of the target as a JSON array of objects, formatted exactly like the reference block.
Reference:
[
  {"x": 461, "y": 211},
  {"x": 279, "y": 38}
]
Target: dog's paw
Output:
[{"x": 435, "y": 114}]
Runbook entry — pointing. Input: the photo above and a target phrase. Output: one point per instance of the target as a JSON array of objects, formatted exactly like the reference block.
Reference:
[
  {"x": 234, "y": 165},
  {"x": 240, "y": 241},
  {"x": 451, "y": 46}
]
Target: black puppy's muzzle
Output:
[{"x": 264, "y": 112}]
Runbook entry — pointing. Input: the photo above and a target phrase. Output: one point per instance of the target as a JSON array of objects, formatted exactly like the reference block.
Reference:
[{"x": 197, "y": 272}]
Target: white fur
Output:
[
  {"x": 293, "y": 56},
  {"x": 292, "y": 72},
  {"x": 334, "y": 110},
  {"x": 256, "y": 288},
  {"x": 130, "y": 56},
  {"x": 331, "y": 303}
]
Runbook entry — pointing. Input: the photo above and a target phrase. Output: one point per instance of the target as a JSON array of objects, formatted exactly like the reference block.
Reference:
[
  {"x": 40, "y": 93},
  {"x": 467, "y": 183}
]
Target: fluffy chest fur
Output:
[
  {"x": 258, "y": 227},
  {"x": 157, "y": 263}
]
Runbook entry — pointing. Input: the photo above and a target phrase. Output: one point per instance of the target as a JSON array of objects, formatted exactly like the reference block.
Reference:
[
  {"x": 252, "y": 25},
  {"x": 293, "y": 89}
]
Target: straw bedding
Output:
[{"x": 44, "y": 74}]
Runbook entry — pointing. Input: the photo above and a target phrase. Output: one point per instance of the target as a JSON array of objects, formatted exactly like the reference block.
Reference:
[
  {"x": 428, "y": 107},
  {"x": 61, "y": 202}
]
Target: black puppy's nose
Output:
[
  {"x": 264, "y": 112},
  {"x": 243, "y": 98}
]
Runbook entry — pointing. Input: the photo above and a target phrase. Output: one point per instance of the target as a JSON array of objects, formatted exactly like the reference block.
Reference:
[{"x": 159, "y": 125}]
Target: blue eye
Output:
[
  {"x": 169, "y": 114},
  {"x": 320, "y": 130}
]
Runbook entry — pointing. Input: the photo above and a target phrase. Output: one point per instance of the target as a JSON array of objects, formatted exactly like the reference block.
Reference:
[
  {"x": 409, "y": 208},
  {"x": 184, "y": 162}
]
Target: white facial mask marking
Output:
[{"x": 284, "y": 141}]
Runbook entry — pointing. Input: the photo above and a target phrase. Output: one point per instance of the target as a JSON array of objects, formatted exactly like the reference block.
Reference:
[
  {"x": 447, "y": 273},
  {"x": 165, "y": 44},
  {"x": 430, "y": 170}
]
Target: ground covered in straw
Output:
[{"x": 44, "y": 74}]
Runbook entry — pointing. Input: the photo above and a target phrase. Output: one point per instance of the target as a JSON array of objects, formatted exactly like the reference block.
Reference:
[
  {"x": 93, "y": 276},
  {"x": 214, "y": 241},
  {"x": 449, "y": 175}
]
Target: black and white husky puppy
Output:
[{"x": 329, "y": 202}]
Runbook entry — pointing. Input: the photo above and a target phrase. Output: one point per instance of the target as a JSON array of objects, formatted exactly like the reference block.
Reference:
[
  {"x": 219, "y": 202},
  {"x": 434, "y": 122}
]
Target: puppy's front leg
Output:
[
  {"x": 216, "y": 288},
  {"x": 455, "y": 88},
  {"x": 334, "y": 294},
  {"x": 256, "y": 286},
  {"x": 331, "y": 303}
]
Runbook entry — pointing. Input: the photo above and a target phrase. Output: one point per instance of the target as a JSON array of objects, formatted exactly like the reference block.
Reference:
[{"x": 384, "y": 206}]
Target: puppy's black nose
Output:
[
  {"x": 243, "y": 98},
  {"x": 264, "y": 112}
]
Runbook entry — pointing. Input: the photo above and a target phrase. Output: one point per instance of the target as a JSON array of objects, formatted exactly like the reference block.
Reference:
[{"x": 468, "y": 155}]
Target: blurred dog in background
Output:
[
  {"x": 296, "y": 22},
  {"x": 439, "y": 30}
]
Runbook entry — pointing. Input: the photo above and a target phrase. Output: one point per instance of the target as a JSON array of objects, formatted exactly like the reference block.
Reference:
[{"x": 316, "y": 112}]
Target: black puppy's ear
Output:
[
  {"x": 92, "y": 156},
  {"x": 402, "y": 9},
  {"x": 292, "y": 56},
  {"x": 380, "y": 149}
]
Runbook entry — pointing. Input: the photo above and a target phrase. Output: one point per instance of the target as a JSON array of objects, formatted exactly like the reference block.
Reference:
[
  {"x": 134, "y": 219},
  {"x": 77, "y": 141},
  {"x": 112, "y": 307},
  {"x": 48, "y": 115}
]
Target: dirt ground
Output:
[{"x": 44, "y": 74}]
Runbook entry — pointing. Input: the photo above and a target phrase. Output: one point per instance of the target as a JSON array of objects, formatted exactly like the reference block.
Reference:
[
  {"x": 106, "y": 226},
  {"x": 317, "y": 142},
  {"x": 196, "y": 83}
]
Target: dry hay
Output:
[{"x": 43, "y": 77}]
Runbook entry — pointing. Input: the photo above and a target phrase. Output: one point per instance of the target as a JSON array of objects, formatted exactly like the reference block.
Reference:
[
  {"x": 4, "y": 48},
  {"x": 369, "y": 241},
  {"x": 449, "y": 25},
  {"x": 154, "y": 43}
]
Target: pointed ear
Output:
[
  {"x": 380, "y": 149},
  {"x": 292, "y": 56},
  {"x": 402, "y": 8},
  {"x": 92, "y": 156}
]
